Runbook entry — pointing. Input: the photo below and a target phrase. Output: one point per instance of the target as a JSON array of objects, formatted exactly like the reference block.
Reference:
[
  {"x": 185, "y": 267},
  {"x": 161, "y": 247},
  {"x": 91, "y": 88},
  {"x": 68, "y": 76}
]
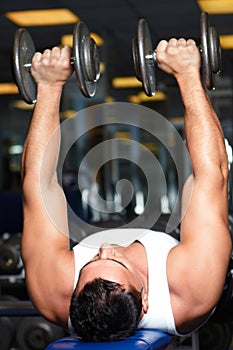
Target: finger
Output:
[
  {"x": 66, "y": 56},
  {"x": 191, "y": 42},
  {"x": 66, "y": 51},
  {"x": 172, "y": 42},
  {"x": 46, "y": 53},
  {"x": 162, "y": 45},
  {"x": 56, "y": 52},
  {"x": 181, "y": 42},
  {"x": 37, "y": 57}
]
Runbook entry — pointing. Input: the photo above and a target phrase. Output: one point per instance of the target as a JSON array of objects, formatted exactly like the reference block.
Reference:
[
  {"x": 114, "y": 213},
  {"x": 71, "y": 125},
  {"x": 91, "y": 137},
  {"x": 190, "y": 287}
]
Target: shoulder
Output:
[
  {"x": 192, "y": 304},
  {"x": 51, "y": 291}
]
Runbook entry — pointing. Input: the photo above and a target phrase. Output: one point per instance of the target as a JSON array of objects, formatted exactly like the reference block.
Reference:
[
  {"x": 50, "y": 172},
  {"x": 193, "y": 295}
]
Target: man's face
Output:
[{"x": 110, "y": 264}]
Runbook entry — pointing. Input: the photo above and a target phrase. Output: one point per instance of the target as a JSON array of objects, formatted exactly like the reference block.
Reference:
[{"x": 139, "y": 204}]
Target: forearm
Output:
[
  {"x": 204, "y": 136},
  {"x": 50, "y": 70},
  {"x": 203, "y": 131},
  {"x": 45, "y": 121}
]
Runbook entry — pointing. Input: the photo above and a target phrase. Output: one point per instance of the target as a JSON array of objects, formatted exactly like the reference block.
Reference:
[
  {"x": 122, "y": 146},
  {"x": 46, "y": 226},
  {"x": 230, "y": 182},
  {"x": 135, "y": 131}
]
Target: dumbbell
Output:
[
  {"x": 36, "y": 333},
  {"x": 144, "y": 57},
  {"x": 10, "y": 258},
  {"x": 86, "y": 62}
]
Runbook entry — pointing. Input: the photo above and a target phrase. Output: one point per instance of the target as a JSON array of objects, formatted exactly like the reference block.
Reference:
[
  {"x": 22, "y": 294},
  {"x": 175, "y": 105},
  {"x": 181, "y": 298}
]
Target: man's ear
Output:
[{"x": 144, "y": 302}]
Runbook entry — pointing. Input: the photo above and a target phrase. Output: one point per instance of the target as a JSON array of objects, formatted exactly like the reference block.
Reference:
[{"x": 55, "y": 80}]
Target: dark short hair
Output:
[{"x": 104, "y": 311}]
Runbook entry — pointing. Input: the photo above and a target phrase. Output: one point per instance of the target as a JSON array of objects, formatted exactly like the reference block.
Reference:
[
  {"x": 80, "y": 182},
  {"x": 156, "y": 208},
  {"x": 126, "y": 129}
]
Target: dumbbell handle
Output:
[
  {"x": 152, "y": 57},
  {"x": 28, "y": 65}
]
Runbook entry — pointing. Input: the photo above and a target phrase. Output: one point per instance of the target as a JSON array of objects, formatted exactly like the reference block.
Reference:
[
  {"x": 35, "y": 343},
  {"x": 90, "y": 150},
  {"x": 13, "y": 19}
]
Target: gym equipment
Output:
[
  {"x": 215, "y": 336},
  {"x": 210, "y": 51},
  {"x": 86, "y": 62},
  {"x": 36, "y": 333},
  {"x": 143, "y": 339},
  {"x": 144, "y": 57},
  {"x": 7, "y": 324},
  {"x": 10, "y": 258},
  {"x": 6, "y": 333},
  {"x": 16, "y": 308}
]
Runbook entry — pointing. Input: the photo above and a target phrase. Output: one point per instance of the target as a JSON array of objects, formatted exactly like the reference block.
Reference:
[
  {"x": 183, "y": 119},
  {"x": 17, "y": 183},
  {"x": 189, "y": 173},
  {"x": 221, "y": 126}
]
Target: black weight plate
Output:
[
  {"x": 6, "y": 333},
  {"x": 215, "y": 51},
  {"x": 92, "y": 59},
  {"x": 146, "y": 58},
  {"x": 36, "y": 333},
  {"x": 206, "y": 64},
  {"x": 80, "y": 36},
  {"x": 136, "y": 58},
  {"x": 215, "y": 336},
  {"x": 23, "y": 51},
  {"x": 9, "y": 259}
]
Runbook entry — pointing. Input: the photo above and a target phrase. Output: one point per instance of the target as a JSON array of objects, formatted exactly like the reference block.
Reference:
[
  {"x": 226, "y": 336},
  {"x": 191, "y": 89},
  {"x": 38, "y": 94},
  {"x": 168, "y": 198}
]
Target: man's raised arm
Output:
[
  {"x": 45, "y": 243},
  {"x": 202, "y": 258}
]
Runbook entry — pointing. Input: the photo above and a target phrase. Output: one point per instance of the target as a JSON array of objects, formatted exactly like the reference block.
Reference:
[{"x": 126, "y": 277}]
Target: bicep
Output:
[
  {"x": 50, "y": 285},
  {"x": 205, "y": 209},
  {"x": 45, "y": 226},
  {"x": 205, "y": 246},
  {"x": 47, "y": 258}
]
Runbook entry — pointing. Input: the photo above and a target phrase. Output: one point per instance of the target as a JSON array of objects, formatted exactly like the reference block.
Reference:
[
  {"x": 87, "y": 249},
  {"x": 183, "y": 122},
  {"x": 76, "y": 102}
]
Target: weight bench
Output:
[{"x": 143, "y": 339}]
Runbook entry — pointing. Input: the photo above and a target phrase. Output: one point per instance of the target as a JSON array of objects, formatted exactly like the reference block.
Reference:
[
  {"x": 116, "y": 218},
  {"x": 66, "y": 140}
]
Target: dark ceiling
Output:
[{"x": 115, "y": 21}]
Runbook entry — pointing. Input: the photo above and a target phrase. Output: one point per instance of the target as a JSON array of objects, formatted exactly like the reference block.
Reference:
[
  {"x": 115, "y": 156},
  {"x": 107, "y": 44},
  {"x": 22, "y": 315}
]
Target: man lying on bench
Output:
[{"x": 109, "y": 291}]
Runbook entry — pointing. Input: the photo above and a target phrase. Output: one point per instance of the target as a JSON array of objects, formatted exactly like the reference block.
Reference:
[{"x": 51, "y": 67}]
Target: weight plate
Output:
[
  {"x": 92, "y": 59},
  {"x": 36, "y": 333},
  {"x": 206, "y": 64},
  {"x": 136, "y": 58},
  {"x": 9, "y": 259},
  {"x": 6, "y": 333},
  {"x": 10, "y": 255},
  {"x": 23, "y": 51},
  {"x": 86, "y": 60},
  {"x": 146, "y": 58},
  {"x": 215, "y": 336},
  {"x": 215, "y": 51}
]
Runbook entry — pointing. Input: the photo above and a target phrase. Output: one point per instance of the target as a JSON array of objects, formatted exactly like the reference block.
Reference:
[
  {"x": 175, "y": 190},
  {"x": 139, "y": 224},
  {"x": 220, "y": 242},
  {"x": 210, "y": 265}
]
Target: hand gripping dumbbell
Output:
[
  {"x": 144, "y": 57},
  {"x": 86, "y": 62}
]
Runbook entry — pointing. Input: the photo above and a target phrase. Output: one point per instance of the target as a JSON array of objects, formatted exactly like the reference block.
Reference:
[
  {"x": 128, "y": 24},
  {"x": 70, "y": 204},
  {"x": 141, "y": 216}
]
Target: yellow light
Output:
[
  {"x": 123, "y": 135},
  {"x": 177, "y": 120},
  {"x": 8, "y": 89},
  {"x": 142, "y": 97},
  {"x": 126, "y": 82},
  {"x": 226, "y": 41},
  {"x": 109, "y": 99},
  {"x": 134, "y": 99},
  {"x": 151, "y": 146},
  {"x": 158, "y": 96},
  {"x": 216, "y": 6},
  {"x": 99, "y": 41},
  {"x": 69, "y": 113},
  {"x": 20, "y": 104},
  {"x": 67, "y": 39},
  {"x": 48, "y": 17}
]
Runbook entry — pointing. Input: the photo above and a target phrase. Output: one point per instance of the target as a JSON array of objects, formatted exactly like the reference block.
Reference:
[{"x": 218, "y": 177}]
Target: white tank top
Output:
[{"x": 157, "y": 246}]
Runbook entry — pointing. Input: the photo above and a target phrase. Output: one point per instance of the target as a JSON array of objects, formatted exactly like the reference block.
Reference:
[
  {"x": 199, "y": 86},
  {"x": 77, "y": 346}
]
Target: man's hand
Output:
[
  {"x": 52, "y": 67},
  {"x": 178, "y": 57}
]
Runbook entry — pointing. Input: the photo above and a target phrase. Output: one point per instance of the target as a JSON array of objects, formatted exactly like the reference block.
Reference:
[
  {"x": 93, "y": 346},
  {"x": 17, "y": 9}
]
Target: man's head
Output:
[
  {"x": 109, "y": 299},
  {"x": 103, "y": 311}
]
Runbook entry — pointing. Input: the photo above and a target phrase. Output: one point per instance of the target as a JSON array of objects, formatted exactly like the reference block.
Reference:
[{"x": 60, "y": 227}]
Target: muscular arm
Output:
[
  {"x": 197, "y": 267},
  {"x": 45, "y": 248}
]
